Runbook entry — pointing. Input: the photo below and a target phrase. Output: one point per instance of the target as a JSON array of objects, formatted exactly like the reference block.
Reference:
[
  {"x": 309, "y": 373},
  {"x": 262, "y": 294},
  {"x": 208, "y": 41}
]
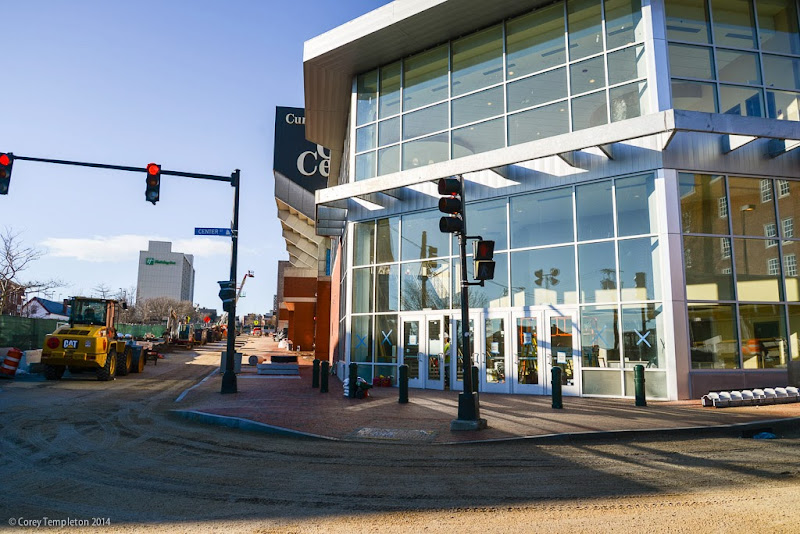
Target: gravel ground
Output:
[{"x": 80, "y": 449}]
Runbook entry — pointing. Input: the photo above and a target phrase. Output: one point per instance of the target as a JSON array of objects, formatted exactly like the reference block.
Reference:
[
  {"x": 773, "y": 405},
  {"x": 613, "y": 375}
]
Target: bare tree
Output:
[
  {"x": 15, "y": 257},
  {"x": 101, "y": 290}
]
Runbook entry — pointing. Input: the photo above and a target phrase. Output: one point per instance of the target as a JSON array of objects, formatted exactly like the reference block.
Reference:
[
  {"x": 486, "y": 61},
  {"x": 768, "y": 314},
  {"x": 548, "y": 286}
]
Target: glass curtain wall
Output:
[
  {"x": 592, "y": 246},
  {"x": 562, "y": 68},
  {"x": 740, "y": 57},
  {"x": 740, "y": 264}
]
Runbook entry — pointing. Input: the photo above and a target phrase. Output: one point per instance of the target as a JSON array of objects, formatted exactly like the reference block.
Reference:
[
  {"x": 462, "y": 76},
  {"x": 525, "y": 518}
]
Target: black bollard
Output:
[
  {"x": 324, "y": 371},
  {"x": 557, "y": 388},
  {"x": 638, "y": 384},
  {"x": 353, "y": 380},
  {"x": 475, "y": 380},
  {"x": 402, "y": 383},
  {"x": 315, "y": 374}
]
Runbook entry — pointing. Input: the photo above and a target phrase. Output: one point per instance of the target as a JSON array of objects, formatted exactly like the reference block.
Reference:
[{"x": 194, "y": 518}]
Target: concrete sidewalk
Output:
[{"x": 289, "y": 405}]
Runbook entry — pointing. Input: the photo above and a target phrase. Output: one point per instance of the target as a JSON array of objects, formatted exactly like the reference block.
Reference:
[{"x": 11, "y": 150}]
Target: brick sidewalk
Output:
[{"x": 291, "y": 403}]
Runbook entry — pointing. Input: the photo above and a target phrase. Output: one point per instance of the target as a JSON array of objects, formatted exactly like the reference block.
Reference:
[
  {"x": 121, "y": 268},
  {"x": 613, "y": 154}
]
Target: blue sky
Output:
[{"x": 191, "y": 85}]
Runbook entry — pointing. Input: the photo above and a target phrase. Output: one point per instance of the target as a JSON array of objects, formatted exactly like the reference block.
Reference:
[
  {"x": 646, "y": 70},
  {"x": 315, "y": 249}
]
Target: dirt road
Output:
[{"x": 80, "y": 449}]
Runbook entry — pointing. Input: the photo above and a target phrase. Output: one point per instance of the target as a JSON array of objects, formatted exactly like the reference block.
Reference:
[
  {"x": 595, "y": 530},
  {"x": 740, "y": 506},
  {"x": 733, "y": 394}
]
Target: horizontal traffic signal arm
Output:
[{"x": 215, "y": 177}]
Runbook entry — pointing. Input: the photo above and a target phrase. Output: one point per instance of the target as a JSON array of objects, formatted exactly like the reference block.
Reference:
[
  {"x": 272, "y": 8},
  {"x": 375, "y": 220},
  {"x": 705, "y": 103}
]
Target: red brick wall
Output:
[{"x": 323, "y": 335}]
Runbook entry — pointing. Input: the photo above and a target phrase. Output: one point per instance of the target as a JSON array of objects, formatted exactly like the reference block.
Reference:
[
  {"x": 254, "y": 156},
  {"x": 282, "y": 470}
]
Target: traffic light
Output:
[
  {"x": 153, "y": 182},
  {"x": 451, "y": 204},
  {"x": 6, "y": 162},
  {"x": 227, "y": 293},
  {"x": 482, "y": 254}
]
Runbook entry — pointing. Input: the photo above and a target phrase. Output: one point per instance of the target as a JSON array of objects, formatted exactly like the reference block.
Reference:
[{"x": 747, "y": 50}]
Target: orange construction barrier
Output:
[{"x": 10, "y": 364}]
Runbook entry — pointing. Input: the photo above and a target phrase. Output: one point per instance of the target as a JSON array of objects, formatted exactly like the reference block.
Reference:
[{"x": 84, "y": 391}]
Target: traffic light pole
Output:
[
  {"x": 229, "y": 376},
  {"x": 469, "y": 413}
]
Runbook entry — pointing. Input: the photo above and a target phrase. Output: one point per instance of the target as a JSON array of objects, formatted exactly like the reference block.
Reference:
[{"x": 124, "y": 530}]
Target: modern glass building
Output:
[{"x": 632, "y": 160}]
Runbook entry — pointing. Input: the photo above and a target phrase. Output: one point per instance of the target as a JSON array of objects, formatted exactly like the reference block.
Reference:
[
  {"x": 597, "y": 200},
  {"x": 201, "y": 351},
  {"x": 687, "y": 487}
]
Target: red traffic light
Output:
[
  {"x": 4, "y": 159},
  {"x": 483, "y": 250},
  {"x": 153, "y": 169}
]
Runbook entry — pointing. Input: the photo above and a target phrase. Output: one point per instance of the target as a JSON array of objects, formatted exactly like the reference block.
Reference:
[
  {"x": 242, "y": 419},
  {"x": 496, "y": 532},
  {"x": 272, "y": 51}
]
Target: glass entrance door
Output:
[
  {"x": 411, "y": 350},
  {"x": 527, "y": 364},
  {"x": 493, "y": 363},
  {"x": 423, "y": 350},
  {"x": 561, "y": 350}
]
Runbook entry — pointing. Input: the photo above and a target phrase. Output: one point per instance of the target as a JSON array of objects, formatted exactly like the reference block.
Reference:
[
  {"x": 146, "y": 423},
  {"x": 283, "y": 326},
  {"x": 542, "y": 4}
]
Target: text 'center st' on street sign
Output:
[{"x": 226, "y": 232}]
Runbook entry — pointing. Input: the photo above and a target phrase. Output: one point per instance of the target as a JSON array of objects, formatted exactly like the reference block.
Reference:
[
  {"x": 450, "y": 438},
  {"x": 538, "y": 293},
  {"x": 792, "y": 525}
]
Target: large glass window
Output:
[
  {"x": 488, "y": 220},
  {"x": 728, "y": 60},
  {"x": 777, "y": 26},
  {"x": 543, "y": 276},
  {"x": 597, "y": 272},
  {"x": 639, "y": 269},
  {"x": 494, "y": 293},
  {"x": 422, "y": 238},
  {"x": 425, "y": 78},
  {"x": 386, "y": 339},
  {"x": 511, "y": 83},
  {"x": 542, "y": 218},
  {"x": 367, "y": 97},
  {"x": 425, "y": 285},
  {"x": 687, "y": 20},
  {"x": 387, "y": 287},
  {"x": 636, "y": 205},
  {"x": 584, "y": 23},
  {"x": 362, "y": 290},
  {"x": 390, "y": 90},
  {"x": 361, "y": 339},
  {"x": 478, "y": 138},
  {"x": 623, "y": 22},
  {"x": 713, "y": 337},
  {"x": 364, "y": 243},
  {"x": 643, "y": 336},
  {"x": 763, "y": 332},
  {"x": 704, "y": 204},
  {"x": 538, "y": 89},
  {"x": 708, "y": 268},
  {"x": 477, "y": 60},
  {"x": 733, "y": 23},
  {"x": 535, "y": 41},
  {"x": 600, "y": 336},
  {"x": 755, "y": 280},
  {"x": 538, "y": 123},
  {"x": 388, "y": 240},
  {"x": 594, "y": 211}
]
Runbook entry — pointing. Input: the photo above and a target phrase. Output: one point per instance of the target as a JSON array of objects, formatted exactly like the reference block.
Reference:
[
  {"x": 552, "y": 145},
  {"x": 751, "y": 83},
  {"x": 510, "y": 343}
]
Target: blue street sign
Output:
[{"x": 213, "y": 231}]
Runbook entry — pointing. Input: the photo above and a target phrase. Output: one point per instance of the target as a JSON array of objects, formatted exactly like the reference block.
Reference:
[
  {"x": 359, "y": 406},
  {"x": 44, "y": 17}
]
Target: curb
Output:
[
  {"x": 241, "y": 423},
  {"x": 738, "y": 430}
]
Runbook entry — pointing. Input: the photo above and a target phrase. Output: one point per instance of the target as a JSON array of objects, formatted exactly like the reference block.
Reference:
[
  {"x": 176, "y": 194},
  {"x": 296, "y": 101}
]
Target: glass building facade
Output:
[{"x": 674, "y": 254}]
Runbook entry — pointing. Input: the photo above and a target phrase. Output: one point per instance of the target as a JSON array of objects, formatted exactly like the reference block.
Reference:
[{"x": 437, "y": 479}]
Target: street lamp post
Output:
[{"x": 745, "y": 209}]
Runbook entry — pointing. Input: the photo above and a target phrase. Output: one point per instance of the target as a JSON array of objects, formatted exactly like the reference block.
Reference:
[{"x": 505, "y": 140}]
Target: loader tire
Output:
[
  {"x": 137, "y": 365},
  {"x": 108, "y": 371},
  {"x": 54, "y": 372},
  {"x": 124, "y": 362}
]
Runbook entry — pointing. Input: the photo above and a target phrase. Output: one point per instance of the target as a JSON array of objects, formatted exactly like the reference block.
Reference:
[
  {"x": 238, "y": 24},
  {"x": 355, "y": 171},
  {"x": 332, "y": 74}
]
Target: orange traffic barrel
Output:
[{"x": 9, "y": 367}]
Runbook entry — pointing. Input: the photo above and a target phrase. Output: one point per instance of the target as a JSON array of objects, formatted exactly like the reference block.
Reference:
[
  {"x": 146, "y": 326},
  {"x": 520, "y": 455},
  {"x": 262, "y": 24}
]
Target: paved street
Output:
[{"x": 82, "y": 449}]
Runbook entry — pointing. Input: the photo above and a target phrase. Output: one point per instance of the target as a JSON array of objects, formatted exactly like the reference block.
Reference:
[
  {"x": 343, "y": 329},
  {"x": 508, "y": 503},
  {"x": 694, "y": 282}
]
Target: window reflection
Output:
[
  {"x": 425, "y": 285},
  {"x": 477, "y": 60},
  {"x": 543, "y": 276},
  {"x": 600, "y": 336},
  {"x": 584, "y": 23},
  {"x": 763, "y": 333},
  {"x": 535, "y": 41},
  {"x": 712, "y": 336},
  {"x": 707, "y": 262},
  {"x": 542, "y": 218},
  {"x": 643, "y": 336},
  {"x": 597, "y": 272},
  {"x": 361, "y": 339}
]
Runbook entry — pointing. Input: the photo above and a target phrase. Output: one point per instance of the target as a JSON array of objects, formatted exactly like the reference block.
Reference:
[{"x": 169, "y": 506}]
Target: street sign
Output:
[{"x": 226, "y": 232}]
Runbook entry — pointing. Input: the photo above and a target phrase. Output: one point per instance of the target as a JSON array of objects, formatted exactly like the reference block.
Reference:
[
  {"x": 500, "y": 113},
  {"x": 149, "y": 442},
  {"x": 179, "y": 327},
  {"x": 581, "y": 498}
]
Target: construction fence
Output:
[{"x": 26, "y": 333}]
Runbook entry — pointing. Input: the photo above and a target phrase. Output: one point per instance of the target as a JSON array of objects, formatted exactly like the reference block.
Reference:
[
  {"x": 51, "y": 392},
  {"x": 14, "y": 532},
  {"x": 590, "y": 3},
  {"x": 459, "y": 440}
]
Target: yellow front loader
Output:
[{"x": 89, "y": 343}]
